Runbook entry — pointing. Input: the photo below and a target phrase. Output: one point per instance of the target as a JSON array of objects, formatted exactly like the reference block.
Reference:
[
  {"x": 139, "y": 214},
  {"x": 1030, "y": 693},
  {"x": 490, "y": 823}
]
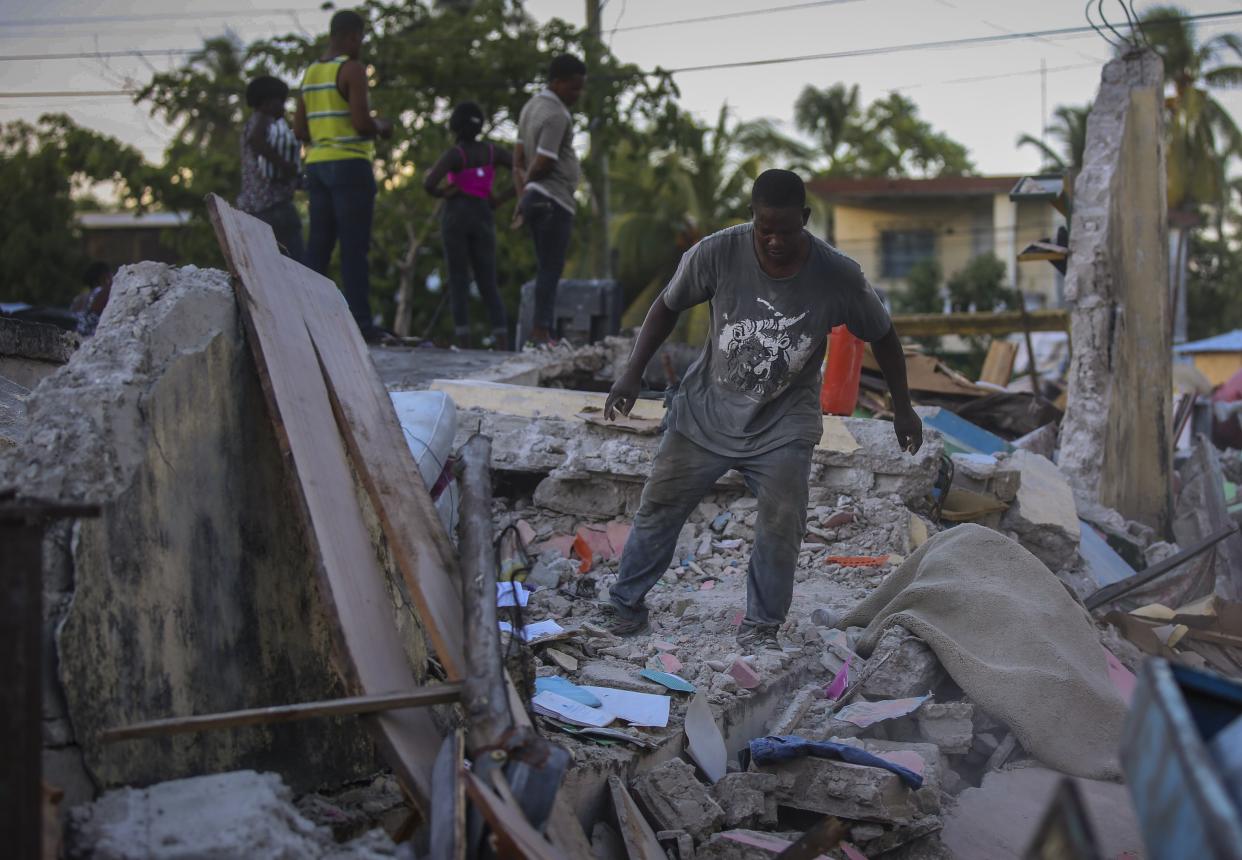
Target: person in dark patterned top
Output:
[{"x": 271, "y": 164}]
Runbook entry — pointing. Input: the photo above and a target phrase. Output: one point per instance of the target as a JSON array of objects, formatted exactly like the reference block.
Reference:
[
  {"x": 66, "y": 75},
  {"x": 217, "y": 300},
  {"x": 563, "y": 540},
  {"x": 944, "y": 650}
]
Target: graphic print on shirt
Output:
[{"x": 760, "y": 355}]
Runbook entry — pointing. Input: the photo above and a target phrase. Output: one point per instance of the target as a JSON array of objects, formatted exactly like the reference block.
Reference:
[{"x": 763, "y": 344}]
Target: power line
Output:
[
  {"x": 101, "y": 55},
  {"x": 970, "y": 41},
  {"x": 946, "y": 43},
  {"x": 152, "y": 16},
  {"x": 727, "y": 15}
]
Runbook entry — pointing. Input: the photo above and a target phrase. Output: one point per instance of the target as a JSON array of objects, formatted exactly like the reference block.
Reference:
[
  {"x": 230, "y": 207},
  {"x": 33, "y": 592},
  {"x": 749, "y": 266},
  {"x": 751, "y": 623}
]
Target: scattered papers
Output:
[
  {"x": 575, "y": 713},
  {"x": 531, "y": 632},
  {"x": 668, "y": 679},
  {"x": 637, "y": 709},
  {"x": 569, "y": 690},
  {"x": 840, "y": 681},
  {"x": 604, "y": 734},
  {"x": 863, "y": 714},
  {"x": 703, "y": 739},
  {"x": 511, "y": 594}
]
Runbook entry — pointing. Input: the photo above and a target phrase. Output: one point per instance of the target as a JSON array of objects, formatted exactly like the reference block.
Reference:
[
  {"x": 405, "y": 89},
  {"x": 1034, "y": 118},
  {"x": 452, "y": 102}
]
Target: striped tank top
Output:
[{"x": 333, "y": 137}]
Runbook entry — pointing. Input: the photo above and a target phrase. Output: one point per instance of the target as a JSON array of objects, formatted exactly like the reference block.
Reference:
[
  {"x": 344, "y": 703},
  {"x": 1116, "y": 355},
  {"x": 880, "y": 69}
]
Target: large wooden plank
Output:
[
  {"x": 377, "y": 446},
  {"x": 372, "y": 659}
]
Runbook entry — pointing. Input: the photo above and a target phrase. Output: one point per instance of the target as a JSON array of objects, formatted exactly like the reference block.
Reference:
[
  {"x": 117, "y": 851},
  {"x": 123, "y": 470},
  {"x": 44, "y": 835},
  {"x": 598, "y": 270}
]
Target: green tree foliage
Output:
[
  {"x": 670, "y": 197},
  {"x": 421, "y": 61},
  {"x": 1069, "y": 130},
  {"x": 923, "y": 293},
  {"x": 887, "y": 138},
  {"x": 1202, "y": 136},
  {"x": 42, "y": 167},
  {"x": 979, "y": 285}
]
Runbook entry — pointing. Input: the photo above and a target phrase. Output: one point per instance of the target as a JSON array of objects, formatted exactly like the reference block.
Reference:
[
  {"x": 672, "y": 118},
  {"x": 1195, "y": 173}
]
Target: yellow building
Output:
[
  {"x": 890, "y": 225},
  {"x": 1218, "y": 358}
]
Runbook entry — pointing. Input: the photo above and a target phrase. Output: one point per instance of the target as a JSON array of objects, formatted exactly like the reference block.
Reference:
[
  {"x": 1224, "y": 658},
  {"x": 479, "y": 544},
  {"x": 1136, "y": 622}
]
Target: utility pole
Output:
[{"x": 599, "y": 146}]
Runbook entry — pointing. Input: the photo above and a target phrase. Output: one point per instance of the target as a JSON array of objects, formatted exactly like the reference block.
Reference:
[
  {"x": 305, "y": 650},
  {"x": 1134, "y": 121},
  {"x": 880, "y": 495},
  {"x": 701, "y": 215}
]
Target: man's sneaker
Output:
[
  {"x": 623, "y": 623},
  {"x": 753, "y": 638}
]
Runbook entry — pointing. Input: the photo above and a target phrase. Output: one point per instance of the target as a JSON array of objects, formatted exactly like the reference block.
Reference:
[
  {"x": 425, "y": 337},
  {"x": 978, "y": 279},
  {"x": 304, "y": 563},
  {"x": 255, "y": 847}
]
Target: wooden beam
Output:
[
  {"x": 1117, "y": 590},
  {"x": 358, "y": 605},
  {"x": 486, "y": 698},
  {"x": 1002, "y": 322},
  {"x": 441, "y": 694},
  {"x": 823, "y": 837},
  {"x": 510, "y": 827}
]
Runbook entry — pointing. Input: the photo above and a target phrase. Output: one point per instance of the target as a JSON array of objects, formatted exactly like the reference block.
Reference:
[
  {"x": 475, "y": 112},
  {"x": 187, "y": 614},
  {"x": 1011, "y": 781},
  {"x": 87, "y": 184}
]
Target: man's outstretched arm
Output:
[
  {"x": 892, "y": 360},
  {"x": 656, "y": 328}
]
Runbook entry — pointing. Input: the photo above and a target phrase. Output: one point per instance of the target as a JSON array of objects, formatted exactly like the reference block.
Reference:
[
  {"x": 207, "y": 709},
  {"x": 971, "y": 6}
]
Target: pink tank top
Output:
[{"x": 475, "y": 181}]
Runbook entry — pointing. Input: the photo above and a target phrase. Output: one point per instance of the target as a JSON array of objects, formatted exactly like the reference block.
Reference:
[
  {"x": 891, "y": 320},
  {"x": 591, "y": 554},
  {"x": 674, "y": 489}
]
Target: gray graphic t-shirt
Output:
[{"x": 756, "y": 384}]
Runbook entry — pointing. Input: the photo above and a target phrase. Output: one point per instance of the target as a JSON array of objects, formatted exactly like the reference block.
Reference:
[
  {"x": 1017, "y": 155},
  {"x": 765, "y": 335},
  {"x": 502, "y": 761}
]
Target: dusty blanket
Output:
[{"x": 1012, "y": 638}]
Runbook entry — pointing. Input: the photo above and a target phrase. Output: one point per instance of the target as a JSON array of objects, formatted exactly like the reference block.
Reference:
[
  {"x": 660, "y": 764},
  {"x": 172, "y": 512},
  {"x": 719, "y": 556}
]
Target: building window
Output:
[{"x": 902, "y": 250}]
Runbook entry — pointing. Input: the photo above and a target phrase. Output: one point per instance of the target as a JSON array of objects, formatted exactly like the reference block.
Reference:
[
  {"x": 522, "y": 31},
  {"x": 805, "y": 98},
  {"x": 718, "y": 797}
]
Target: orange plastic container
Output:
[{"x": 842, "y": 372}]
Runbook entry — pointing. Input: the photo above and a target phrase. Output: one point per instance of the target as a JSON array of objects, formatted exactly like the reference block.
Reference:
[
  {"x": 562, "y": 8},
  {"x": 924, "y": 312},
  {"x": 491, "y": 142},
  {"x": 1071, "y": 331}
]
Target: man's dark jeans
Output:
[
  {"x": 550, "y": 226},
  {"x": 683, "y": 472},
  {"x": 285, "y": 222},
  {"x": 469, "y": 234},
  {"x": 342, "y": 204}
]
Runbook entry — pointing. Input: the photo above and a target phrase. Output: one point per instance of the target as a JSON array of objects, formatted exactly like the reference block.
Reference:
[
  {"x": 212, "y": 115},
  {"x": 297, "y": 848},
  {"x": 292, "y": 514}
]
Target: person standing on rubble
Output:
[
  {"x": 271, "y": 163},
  {"x": 750, "y": 401},
  {"x": 467, "y": 227},
  {"x": 334, "y": 119},
  {"x": 545, "y": 176}
]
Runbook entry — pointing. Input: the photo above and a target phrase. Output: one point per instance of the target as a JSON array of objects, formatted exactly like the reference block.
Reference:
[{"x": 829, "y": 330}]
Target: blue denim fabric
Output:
[{"x": 342, "y": 204}]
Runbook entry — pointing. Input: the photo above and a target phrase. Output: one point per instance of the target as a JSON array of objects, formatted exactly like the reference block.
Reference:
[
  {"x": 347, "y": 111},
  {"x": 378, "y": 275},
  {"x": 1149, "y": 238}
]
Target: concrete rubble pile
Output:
[{"x": 564, "y": 492}]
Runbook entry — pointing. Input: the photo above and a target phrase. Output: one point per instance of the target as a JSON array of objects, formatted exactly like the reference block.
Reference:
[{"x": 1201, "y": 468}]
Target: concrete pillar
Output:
[{"x": 1115, "y": 438}]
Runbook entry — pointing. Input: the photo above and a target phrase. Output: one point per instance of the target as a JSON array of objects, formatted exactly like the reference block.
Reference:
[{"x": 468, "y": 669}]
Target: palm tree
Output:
[
  {"x": 671, "y": 199},
  {"x": 1069, "y": 128},
  {"x": 833, "y": 116},
  {"x": 1202, "y": 136}
]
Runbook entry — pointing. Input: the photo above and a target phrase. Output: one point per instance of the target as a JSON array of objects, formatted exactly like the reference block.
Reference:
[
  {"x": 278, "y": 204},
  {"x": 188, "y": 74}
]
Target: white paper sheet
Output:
[
  {"x": 578, "y": 714},
  {"x": 534, "y": 631},
  {"x": 638, "y": 709},
  {"x": 511, "y": 594}
]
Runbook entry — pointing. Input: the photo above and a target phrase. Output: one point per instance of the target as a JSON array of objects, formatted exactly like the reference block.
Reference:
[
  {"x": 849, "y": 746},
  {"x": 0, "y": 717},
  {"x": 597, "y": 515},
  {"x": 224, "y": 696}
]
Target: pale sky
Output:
[{"x": 982, "y": 96}]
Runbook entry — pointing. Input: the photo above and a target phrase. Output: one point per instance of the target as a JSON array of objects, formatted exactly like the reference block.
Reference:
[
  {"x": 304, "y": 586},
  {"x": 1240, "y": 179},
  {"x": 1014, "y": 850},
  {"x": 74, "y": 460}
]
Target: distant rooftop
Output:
[
  {"x": 129, "y": 220},
  {"x": 1230, "y": 341},
  {"x": 942, "y": 186}
]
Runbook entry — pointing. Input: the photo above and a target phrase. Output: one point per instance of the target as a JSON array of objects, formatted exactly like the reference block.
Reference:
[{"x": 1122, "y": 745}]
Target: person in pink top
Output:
[{"x": 465, "y": 177}]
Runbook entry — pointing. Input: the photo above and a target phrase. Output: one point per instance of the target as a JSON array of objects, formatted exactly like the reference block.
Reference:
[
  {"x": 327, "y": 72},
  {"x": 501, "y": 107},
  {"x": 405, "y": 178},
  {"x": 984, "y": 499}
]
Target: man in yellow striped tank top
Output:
[{"x": 334, "y": 120}]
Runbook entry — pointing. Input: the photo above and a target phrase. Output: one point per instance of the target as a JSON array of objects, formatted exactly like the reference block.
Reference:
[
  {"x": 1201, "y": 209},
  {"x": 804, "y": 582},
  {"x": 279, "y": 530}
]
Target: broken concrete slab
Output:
[
  {"x": 901, "y": 666},
  {"x": 1115, "y": 446},
  {"x": 672, "y": 797},
  {"x": 830, "y": 787},
  {"x": 238, "y": 814},
  {"x": 948, "y": 725},
  {"x": 742, "y": 844},
  {"x": 925, "y": 759},
  {"x": 556, "y": 444},
  {"x": 748, "y": 799},
  {"x": 998, "y": 819},
  {"x": 1043, "y": 516},
  {"x": 30, "y": 352},
  {"x": 190, "y": 593}
]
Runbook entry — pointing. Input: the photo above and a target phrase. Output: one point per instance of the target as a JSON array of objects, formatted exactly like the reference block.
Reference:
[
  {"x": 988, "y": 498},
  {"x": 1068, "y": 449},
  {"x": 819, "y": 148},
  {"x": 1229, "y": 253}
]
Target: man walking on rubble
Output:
[{"x": 750, "y": 401}]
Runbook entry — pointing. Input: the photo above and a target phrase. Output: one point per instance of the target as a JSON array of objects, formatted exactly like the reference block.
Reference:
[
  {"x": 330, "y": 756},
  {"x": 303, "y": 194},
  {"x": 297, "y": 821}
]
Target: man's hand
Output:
[
  {"x": 909, "y": 429},
  {"x": 622, "y": 396},
  {"x": 383, "y": 127}
]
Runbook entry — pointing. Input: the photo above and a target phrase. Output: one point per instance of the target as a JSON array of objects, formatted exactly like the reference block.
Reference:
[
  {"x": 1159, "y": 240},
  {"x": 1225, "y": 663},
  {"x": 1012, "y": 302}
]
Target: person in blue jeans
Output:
[
  {"x": 334, "y": 118},
  {"x": 545, "y": 175}
]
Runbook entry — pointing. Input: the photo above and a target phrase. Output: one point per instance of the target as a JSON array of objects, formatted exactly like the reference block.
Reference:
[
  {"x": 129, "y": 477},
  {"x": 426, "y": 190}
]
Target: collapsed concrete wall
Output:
[
  {"x": 1115, "y": 444},
  {"x": 194, "y": 591}
]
